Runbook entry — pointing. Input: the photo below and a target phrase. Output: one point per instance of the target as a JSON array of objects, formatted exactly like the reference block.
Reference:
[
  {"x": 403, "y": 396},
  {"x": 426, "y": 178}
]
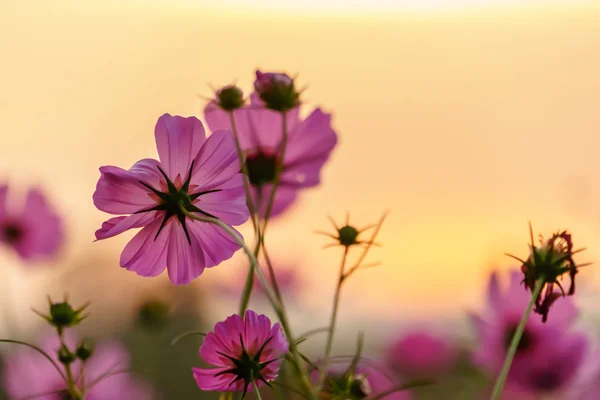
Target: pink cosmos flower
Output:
[
  {"x": 505, "y": 309},
  {"x": 194, "y": 173},
  {"x": 551, "y": 370},
  {"x": 29, "y": 375},
  {"x": 241, "y": 350},
  {"x": 368, "y": 380},
  {"x": 420, "y": 353},
  {"x": 310, "y": 142},
  {"x": 35, "y": 231}
]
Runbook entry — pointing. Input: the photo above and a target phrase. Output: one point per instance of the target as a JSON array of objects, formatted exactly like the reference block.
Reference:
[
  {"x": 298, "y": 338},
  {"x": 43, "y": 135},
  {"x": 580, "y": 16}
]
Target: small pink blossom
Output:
[
  {"x": 421, "y": 353},
  {"x": 242, "y": 350},
  {"x": 29, "y": 375},
  {"x": 310, "y": 143},
  {"x": 194, "y": 173},
  {"x": 35, "y": 231}
]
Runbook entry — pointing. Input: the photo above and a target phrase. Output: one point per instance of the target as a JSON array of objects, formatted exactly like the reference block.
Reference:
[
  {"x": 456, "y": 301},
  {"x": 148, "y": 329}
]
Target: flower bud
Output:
[
  {"x": 277, "y": 91},
  {"x": 63, "y": 315},
  {"x": 85, "y": 349},
  {"x": 230, "y": 97},
  {"x": 65, "y": 356}
]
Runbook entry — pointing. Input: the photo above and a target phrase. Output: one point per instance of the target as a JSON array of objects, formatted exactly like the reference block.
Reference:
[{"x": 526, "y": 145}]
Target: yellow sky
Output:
[{"x": 465, "y": 125}]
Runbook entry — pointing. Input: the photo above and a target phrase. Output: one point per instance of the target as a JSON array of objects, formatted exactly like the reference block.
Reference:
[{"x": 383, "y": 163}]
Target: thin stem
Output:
[
  {"x": 242, "y": 158},
  {"x": 256, "y": 391},
  {"x": 268, "y": 290},
  {"x": 248, "y": 285},
  {"x": 39, "y": 350},
  {"x": 514, "y": 344},
  {"x": 334, "y": 312},
  {"x": 272, "y": 274},
  {"x": 71, "y": 386}
]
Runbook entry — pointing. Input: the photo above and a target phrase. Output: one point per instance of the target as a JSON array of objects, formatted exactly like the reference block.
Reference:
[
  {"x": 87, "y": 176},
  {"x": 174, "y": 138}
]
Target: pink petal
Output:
[
  {"x": 207, "y": 380},
  {"x": 216, "y": 162},
  {"x": 256, "y": 331},
  {"x": 120, "y": 192},
  {"x": 3, "y": 195},
  {"x": 229, "y": 204},
  {"x": 43, "y": 228},
  {"x": 185, "y": 259},
  {"x": 108, "y": 357},
  {"x": 284, "y": 198},
  {"x": 309, "y": 147},
  {"x": 216, "y": 118},
  {"x": 178, "y": 141},
  {"x": 146, "y": 255},
  {"x": 494, "y": 294},
  {"x": 216, "y": 244},
  {"x": 117, "y": 225}
]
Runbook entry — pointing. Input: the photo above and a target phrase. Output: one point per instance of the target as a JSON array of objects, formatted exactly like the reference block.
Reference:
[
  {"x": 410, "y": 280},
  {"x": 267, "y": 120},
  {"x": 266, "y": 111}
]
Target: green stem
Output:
[
  {"x": 334, "y": 312},
  {"x": 71, "y": 386},
  {"x": 39, "y": 350},
  {"x": 269, "y": 291},
  {"x": 248, "y": 285},
  {"x": 256, "y": 391},
  {"x": 242, "y": 158},
  {"x": 514, "y": 344}
]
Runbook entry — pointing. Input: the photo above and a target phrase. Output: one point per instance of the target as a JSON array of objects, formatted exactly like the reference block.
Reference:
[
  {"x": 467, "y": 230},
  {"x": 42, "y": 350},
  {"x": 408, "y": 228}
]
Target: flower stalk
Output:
[{"x": 514, "y": 344}]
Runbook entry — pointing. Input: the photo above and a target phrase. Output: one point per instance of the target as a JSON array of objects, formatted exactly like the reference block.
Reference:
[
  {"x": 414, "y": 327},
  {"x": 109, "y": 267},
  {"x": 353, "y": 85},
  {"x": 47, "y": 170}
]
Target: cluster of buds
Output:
[{"x": 548, "y": 262}]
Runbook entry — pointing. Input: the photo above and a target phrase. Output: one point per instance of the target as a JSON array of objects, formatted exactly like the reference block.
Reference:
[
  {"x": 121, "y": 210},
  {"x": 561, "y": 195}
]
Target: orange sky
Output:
[{"x": 464, "y": 124}]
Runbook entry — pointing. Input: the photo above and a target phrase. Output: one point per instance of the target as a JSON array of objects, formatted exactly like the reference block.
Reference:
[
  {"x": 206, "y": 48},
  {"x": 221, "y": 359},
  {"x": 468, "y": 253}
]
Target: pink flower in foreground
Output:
[
  {"x": 29, "y": 375},
  {"x": 367, "y": 381},
  {"x": 310, "y": 142},
  {"x": 242, "y": 350},
  {"x": 421, "y": 353},
  {"x": 34, "y": 231},
  {"x": 498, "y": 324},
  {"x": 194, "y": 173}
]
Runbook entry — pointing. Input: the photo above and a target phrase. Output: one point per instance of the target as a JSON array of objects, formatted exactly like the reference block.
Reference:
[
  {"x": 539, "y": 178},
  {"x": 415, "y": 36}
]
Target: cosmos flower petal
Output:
[
  {"x": 309, "y": 147},
  {"x": 117, "y": 225},
  {"x": 178, "y": 141},
  {"x": 494, "y": 296},
  {"x": 120, "y": 192},
  {"x": 185, "y": 259},
  {"x": 3, "y": 196},
  {"x": 144, "y": 254},
  {"x": 216, "y": 162},
  {"x": 229, "y": 203},
  {"x": 215, "y": 243},
  {"x": 284, "y": 198},
  {"x": 207, "y": 379},
  {"x": 216, "y": 118}
]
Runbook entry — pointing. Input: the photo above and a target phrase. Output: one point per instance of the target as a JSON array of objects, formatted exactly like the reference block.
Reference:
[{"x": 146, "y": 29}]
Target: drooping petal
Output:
[
  {"x": 146, "y": 253},
  {"x": 229, "y": 203},
  {"x": 309, "y": 147},
  {"x": 117, "y": 225},
  {"x": 121, "y": 192},
  {"x": 216, "y": 162},
  {"x": 185, "y": 258},
  {"x": 178, "y": 141}
]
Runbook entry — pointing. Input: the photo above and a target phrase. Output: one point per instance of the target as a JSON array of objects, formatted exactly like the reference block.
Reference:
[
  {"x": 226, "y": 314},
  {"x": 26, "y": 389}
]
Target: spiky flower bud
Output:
[{"x": 277, "y": 91}]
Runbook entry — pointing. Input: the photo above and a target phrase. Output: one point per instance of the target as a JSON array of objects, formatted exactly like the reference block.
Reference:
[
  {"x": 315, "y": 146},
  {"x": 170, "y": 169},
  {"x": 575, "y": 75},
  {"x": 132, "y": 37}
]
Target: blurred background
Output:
[{"x": 465, "y": 119}]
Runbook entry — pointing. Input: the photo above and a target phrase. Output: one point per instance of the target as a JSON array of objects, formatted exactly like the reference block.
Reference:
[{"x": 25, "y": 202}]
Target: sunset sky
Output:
[{"x": 466, "y": 119}]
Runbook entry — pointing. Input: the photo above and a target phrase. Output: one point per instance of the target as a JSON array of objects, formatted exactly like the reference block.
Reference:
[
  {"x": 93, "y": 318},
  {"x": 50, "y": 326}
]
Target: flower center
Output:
[
  {"x": 525, "y": 343},
  {"x": 261, "y": 168},
  {"x": 12, "y": 233},
  {"x": 176, "y": 201},
  {"x": 546, "y": 381}
]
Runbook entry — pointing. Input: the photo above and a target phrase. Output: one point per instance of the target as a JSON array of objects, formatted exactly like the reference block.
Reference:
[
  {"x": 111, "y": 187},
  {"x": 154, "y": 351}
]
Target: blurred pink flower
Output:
[
  {"x": 310, "y": 142},
  {"x": 496, "y": 326},
  {"x": 201, "y": 175},
  {"x": 28, "y": 374},
  {"x": 34, "y": 231},
  {"x": 420, "y": 353},
  {"x": 368, "y": 380},
  {"x": 241, "y": 349}
]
